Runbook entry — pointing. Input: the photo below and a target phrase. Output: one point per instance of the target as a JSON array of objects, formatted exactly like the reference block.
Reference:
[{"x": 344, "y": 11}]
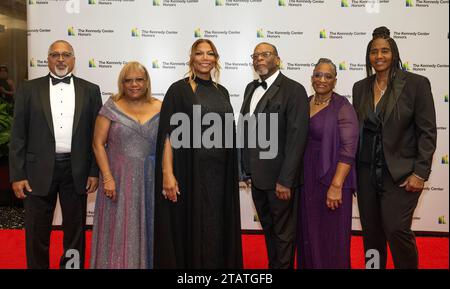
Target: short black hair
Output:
[
  {"x": 270, "y": 44},
  {"x": 324, "y": 60}
]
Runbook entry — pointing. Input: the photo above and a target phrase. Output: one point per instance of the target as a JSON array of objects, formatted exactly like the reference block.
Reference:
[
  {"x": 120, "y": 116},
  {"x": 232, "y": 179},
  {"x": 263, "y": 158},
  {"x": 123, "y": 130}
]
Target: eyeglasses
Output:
[
  {"x": 138, "y": 80},
  {"x": 264, "y": 55},
  {"x": 57, "y": 55},
  {"x": 319, "y": 75}
]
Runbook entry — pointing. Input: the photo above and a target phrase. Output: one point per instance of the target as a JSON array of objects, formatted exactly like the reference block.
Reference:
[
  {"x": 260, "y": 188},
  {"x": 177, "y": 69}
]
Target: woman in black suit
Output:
[{"x": 398, "y": 138}]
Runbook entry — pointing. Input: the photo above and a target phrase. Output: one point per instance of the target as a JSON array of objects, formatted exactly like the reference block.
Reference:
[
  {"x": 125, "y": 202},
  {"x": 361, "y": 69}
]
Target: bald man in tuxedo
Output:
[
  {"x": 51, "y": 155},
  {"x": 274, "y": 179}
]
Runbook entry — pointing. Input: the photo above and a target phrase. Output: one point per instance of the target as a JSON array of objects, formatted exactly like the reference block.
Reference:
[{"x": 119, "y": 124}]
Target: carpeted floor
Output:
[{"x": 433, "y": 251}]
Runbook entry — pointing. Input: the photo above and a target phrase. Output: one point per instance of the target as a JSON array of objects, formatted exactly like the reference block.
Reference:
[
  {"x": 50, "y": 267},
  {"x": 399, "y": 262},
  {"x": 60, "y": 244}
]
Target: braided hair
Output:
[
  {"x": 396, "y": 64},
  {"x": 384, "y": 33}
]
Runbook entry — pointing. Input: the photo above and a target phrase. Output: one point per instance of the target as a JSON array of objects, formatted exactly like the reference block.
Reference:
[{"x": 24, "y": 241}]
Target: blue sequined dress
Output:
[{"x": 123, "y": 230}]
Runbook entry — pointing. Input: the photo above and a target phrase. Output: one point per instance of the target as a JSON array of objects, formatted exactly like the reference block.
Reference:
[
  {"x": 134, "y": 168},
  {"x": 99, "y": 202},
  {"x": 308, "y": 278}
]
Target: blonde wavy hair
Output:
[
  {"x": 217, "y": 66},
  {"x": 133, "y": 66}
]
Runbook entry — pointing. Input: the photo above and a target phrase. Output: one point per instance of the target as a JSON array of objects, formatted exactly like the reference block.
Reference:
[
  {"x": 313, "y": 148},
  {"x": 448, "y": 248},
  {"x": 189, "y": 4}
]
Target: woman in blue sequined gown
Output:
[{"x": 124, "y": 146}]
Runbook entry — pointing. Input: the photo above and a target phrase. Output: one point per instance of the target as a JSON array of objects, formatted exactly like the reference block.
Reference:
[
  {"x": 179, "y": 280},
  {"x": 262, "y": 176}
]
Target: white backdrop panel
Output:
[{"x": 108, "y": 33}]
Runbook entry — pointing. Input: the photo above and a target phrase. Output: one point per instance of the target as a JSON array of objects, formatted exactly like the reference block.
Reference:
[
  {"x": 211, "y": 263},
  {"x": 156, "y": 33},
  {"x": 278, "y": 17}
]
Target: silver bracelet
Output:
[{"x": 419, "y": 177}]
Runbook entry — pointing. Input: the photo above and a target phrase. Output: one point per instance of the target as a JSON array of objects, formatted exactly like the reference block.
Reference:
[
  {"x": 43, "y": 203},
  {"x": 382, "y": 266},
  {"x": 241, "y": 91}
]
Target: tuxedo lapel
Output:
[
  {"x": 270, "y": 93},
  {"x": 79, "y": 96},
  {"x": 248, "y": 96},
  {"x": 399, "y": 83},
  {"x": 44, "y": 95}
]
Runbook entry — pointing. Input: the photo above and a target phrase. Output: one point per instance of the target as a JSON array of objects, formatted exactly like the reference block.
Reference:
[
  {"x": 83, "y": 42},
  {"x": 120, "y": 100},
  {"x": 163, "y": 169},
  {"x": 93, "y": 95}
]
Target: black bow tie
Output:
[
  {"x": 263, "y": 84},
  {"x": 66, "y": 79}
]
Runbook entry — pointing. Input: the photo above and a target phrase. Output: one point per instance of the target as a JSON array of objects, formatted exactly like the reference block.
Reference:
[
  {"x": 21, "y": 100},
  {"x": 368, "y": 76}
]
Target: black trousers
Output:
[
  {"x": 386, "y": 216},
  {"x": 39, "y": 216},
  {"x": 279, "y": 220}
]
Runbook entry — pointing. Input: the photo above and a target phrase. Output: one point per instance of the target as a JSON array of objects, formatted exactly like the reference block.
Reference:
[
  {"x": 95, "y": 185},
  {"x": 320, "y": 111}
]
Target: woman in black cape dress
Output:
[{"x": 202, "y": 229}]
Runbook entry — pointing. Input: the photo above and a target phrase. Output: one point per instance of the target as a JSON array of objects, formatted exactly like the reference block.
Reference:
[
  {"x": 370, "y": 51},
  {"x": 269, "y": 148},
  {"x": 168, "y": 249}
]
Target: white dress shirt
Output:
[
  {"x": 62, "y": 103},
  {"x": 260, "y": 91}
]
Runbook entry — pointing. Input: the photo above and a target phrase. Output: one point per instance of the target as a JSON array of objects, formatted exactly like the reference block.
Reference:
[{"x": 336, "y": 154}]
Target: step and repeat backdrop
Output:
[{"x": 158, "y": 33}]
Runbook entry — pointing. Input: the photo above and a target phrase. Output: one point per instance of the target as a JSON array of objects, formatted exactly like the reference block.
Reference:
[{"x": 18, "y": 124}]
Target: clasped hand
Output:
[{"x": 413, "y": 184}]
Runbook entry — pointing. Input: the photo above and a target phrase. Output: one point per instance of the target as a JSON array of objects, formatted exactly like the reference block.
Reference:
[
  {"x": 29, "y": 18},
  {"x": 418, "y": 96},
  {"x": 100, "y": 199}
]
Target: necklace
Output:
[
  {"x": 319, "y": 101},
  {"x": 382, "y": 91}
]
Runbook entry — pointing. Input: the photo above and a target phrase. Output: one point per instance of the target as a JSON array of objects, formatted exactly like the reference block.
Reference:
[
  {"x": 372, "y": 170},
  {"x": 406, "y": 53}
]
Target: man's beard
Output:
[
  {"x": 61, "y": 72},
  {"x": 262, "y": 71}
]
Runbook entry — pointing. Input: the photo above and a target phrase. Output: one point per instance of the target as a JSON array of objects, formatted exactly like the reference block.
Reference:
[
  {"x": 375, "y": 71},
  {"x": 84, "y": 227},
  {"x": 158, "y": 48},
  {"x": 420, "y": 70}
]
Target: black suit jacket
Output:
[
  {"x": 409, "y": 134},
  {"x": 32, "y": 145},
  {"x": 289, "y": 100}
]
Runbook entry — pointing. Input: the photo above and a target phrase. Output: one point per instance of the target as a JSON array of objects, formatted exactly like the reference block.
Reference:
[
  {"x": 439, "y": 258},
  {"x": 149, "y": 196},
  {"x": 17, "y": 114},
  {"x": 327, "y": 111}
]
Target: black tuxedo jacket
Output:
[
  {"x": 289, "y": 100},
  {"x": 32, "y": 145},
  {"x": 409, "y": 134}
]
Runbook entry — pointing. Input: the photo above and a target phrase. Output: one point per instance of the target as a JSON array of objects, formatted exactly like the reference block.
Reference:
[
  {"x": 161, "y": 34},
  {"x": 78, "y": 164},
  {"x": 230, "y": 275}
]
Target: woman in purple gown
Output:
[
  {"x": 325, "y": 212},
  {"x": 124, "y": 146}
]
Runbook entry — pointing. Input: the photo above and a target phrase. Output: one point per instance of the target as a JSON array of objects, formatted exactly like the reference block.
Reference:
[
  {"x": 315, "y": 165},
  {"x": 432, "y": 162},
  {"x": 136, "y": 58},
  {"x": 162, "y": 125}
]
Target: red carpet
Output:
[{"x": 433, "y": 252}]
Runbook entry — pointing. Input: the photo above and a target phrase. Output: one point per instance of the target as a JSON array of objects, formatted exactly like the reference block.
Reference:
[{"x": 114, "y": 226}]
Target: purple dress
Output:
[
  {"x": 324, "y": 235},
  {"x": 122, "y": 234}
]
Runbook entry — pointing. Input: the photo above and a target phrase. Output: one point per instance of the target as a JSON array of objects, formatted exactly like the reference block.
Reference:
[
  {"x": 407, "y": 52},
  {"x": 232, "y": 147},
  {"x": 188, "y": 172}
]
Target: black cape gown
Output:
[{"x": 180, "y": 238}]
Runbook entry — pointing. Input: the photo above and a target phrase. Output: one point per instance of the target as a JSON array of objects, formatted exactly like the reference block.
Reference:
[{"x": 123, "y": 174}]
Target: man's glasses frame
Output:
[
  {"x": 58, "y": 55},
  {"x": 265, "y": 55}
]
